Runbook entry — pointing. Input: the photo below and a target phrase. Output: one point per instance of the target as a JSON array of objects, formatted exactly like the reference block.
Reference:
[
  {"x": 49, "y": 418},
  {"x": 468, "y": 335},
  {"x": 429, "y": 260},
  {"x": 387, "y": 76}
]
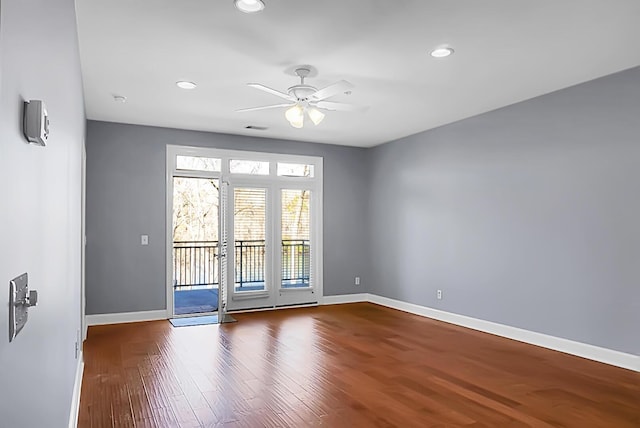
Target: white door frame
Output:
[
  {"x": 273, "y": 183},
  {"x": 172, "y": 171}
]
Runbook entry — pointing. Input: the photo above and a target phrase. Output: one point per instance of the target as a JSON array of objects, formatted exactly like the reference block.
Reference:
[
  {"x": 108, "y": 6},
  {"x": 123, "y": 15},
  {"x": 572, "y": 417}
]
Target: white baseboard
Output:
[
  {"x": 584, "y": 350},
  {"x": 123, "y": 317},
  {"x": 345, "y": 298},
  {"x": 77, "y": 390}
]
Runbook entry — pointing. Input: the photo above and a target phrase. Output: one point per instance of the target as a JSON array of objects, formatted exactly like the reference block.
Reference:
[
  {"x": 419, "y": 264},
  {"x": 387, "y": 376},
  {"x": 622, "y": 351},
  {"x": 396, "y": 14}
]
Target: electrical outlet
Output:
[
  {"x": 439, "y": 294},
  {"x": 357, "y": 281}
]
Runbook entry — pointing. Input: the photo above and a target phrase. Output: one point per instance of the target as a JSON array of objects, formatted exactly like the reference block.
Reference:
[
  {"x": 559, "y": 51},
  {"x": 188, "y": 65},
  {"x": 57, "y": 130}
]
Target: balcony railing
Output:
[
  {"x": 296, "y": 263},
  {"x": 195, "y": 263}
]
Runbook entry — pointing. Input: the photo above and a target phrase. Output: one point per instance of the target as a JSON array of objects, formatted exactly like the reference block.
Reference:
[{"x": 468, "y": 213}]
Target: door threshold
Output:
[
  {"x": 198, "y": 314},
  {"x": 273, "y": 308}
]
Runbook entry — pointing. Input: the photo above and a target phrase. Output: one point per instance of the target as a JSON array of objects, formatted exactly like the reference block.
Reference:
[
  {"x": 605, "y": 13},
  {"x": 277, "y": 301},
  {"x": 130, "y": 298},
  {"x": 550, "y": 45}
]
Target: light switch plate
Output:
[
  {"x": 18, "y": 313},
  {"x": 144, "y": 239}
]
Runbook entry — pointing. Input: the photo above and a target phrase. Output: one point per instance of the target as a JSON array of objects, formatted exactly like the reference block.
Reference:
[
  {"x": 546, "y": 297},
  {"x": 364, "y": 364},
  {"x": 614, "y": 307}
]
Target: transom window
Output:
[
  {"x": 198, "y": 163},
  {"x": 295, "y": 170},
  {"x": 248, "y": 167}
]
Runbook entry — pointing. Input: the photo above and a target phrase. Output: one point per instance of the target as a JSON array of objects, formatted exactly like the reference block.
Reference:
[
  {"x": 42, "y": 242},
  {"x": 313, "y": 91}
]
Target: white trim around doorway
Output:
[{"x": 271, "y": 180}]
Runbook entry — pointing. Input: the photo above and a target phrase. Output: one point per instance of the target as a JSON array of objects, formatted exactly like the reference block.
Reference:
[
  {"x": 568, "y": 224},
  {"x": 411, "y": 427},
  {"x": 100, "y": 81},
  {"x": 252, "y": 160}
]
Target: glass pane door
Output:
[
  {"x": 296, "y": 256},
  {"x": 296, "y": 243},
  {"x": 195, "y": 245},
  {"x": 249, "y": 233}
]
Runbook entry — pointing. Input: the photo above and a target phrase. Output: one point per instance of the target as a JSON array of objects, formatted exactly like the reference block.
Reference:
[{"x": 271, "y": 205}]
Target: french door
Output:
[
  {"x": 296, "y": 246},
  {"x": 268, "y": 242},
  {"x": 272, "y": 234},
  {"x": 250, "y": 234}
]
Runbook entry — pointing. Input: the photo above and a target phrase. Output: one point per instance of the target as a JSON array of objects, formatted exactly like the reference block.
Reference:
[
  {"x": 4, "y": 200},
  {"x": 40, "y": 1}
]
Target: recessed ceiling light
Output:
[
  {"x": 183, "y": 84},
  {"x": 441, "y": 52},
  {"x": 249, "y": 6}
]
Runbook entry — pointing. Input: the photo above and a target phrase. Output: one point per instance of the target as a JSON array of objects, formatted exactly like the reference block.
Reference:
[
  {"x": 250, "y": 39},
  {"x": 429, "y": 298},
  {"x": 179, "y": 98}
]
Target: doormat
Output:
[{"x": 204, "y": 320}]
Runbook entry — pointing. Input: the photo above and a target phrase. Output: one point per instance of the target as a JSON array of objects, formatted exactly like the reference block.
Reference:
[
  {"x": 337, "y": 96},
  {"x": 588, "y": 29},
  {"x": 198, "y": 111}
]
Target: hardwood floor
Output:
[{"x": 354, "y": 365}]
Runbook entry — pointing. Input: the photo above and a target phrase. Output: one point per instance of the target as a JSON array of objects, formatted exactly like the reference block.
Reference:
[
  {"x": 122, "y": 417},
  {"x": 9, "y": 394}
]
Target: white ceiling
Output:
[{"x": 505, "y": 51}]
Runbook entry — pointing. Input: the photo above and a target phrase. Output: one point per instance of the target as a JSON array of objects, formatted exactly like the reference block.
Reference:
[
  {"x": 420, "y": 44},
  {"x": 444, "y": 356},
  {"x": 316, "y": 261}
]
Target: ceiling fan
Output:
[{"x": 306, "y": 99}]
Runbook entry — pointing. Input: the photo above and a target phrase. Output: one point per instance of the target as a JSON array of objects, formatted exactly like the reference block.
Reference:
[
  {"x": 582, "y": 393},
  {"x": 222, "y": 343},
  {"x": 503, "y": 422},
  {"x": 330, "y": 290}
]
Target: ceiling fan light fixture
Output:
[
  {"x": 441, "y": 52},
  {"x": 294, "y": 114},
  {"x": 297, "y": 123},
  {"x": 315, "y": 115},
  {"x": 249, "y": 6}
]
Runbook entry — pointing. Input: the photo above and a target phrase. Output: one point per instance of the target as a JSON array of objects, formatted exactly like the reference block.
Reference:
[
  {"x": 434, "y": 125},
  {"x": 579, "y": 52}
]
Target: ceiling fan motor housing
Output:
[{"x": 301, "y": 92}]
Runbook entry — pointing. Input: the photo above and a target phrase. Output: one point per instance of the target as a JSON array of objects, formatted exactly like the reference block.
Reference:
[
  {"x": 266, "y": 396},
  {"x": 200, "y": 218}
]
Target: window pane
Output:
[
  {"x": 296, "y": 248},
  {"x": 250, "y": 214},
  {"x": 295, "y": 170},
  {"x": 196, "y": 163},
  {"x": 249, "y": 167}
]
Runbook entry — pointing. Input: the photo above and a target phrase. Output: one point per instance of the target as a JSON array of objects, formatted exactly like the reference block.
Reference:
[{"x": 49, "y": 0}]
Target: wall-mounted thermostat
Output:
[{"x": 36, "y": 122}]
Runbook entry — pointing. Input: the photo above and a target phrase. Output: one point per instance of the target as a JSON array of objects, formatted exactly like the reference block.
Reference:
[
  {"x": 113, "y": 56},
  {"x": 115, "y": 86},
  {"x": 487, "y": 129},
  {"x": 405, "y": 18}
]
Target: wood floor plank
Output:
[
  {"x": 140, "y": 405},
  {"x": 353, "y": 365},
  {"x": 164, "y": 418},
  {"x": 184, "y": 413}
]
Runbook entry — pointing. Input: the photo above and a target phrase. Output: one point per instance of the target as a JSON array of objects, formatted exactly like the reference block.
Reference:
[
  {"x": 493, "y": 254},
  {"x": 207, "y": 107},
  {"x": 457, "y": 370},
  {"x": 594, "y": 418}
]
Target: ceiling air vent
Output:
[{"x": 256, "y": 128}]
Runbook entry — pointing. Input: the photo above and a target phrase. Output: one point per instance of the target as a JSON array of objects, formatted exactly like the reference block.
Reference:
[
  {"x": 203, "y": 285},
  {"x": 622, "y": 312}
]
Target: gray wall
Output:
[
  {"x": 40, "y": 218},
  {"x": 527, "y": 216},
  {"x": 126, "y": 198},
  {"x": 524, "y": 216}
]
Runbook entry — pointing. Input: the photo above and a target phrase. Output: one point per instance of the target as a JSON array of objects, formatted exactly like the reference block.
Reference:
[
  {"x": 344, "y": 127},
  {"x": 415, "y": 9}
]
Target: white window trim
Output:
[{"x": 314, "y": 184}]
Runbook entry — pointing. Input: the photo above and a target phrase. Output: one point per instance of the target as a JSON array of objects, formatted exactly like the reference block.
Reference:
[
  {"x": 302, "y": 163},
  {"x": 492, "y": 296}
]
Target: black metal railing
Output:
[
  {"x": 249, "y": 261},
  {"x": 296, "y": 262},
  {"x": 195, "y": 263}
]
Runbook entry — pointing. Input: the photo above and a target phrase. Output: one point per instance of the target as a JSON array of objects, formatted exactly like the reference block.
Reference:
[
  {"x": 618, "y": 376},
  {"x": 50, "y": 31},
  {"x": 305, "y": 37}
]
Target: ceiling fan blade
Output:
[
  {"x": 331, "y": 90},
  {"x": 330, "y": 105},
  {"x": 271, "y": 91},
  {"x": 243, "y": 110}
]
